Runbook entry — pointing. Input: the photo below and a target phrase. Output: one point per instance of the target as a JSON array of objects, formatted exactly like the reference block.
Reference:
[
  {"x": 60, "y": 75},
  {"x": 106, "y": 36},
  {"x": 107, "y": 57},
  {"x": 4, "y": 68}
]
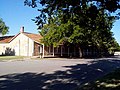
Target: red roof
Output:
[
  {"x": 5, "y": 39},
  {"x": 35, "y": 37}
]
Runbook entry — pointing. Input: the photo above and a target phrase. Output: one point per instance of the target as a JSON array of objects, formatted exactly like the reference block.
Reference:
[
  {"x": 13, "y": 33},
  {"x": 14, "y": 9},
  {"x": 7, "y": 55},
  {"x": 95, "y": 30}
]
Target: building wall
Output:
[
  {"x": 117, "y": 53},
  {"x": 3, "y": 47},
  {"x": 46, "y": 50},
  {"x": 37, "y": 48},
  {"x": 22, "y": 45}
]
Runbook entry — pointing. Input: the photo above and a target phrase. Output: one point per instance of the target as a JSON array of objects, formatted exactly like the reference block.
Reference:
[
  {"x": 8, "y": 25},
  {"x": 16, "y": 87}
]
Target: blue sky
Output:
[{"x": 15, "y": 15}]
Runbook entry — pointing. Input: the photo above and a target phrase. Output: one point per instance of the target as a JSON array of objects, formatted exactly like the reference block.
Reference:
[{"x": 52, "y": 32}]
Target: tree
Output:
[
  {"x": 80, "y": 22},
  {"x": 3, "y": 27},
  {"x": 52, "y": 8},
  {"x": 115, "y": 46},
  {"x": 80, "y": 31}
]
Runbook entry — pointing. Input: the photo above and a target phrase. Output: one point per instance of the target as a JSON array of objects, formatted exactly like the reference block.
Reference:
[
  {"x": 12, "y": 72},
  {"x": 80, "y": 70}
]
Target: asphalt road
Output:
[{"x": 53, "y": 74}]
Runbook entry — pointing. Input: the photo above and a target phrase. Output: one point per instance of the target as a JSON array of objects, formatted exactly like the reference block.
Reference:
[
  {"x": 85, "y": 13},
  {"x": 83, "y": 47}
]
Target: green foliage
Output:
[
  {"x": 3, "y": 27},
  {"x": 80, "y": 22},
  {"x": 115, "y": 46},
  {"x": 56, "y": 34},
  {"x": 80, "y": 30},
  {"x": 68, "y": 7}
]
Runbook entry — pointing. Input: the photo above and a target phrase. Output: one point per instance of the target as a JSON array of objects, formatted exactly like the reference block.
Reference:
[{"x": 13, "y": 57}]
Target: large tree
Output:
[
  {"x": 3, "y": 27},
  {"x": 80, "y": 30},
  {"x": 80, "y": 22},
  {"x": 52, "y": 7}
]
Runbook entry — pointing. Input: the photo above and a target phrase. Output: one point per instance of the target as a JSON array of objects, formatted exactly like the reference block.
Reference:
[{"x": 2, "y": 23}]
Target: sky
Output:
[{"x": 16, "y": 15}]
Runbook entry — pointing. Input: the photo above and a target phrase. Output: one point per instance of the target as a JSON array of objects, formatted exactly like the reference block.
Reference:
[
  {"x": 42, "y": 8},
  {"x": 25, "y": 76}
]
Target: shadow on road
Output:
[{"x": 60, "y": 80}]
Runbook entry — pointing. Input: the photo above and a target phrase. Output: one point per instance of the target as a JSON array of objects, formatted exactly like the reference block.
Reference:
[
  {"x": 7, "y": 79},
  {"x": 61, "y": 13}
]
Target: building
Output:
[{"x": 22, "y": 44}]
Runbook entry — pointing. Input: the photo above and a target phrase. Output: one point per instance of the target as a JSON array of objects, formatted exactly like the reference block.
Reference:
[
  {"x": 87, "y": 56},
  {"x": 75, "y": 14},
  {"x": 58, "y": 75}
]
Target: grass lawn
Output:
[
  {"x": 110, "y": 81},
  {"x": 10, "y": 57}
]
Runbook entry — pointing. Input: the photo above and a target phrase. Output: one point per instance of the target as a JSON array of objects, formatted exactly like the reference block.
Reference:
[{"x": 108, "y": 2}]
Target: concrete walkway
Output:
[{"x": 53, "y": 74}]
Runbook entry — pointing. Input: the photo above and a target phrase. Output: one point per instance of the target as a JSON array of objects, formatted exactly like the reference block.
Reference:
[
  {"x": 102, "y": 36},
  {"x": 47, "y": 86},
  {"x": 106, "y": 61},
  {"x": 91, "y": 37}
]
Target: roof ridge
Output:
[
  {"x": 7, "y": 36},
  {"x": 30, "y": 33}
]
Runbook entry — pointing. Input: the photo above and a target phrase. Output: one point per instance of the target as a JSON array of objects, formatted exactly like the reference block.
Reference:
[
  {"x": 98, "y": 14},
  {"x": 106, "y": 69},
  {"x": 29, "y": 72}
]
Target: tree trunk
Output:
[{"x": 80, "y": 53}]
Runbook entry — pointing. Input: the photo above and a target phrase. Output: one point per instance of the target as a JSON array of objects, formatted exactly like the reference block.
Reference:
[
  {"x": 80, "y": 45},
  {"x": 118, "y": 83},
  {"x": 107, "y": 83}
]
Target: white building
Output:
[{"x": 22, "y": 44}]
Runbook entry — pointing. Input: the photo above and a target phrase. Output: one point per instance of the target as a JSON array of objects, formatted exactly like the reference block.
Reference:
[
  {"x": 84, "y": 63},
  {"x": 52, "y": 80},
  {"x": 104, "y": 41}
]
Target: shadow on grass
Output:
[
  {"x": 110, "y": 81},
  {"x": 75, "y": 76}
]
